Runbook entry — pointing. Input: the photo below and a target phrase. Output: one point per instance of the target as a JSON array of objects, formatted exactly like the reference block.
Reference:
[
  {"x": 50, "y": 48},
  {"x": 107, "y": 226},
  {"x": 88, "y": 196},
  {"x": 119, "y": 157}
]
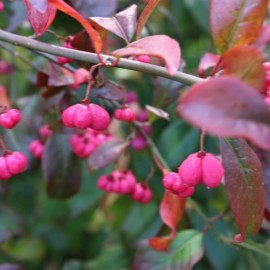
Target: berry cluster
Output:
[
  {"x": 67, "y": 44},
  {"x": 9, "y": 118},
  {"x": 84, "y": 116},
  {"x": 12, "y": 163},
  {"x": 125, "y": 114},
  {"x": 124, "y": 182},
  {"x": 36, "y": 147},
  {"x": 197, "y": 168},
  {"x": 84, "y": 143}
]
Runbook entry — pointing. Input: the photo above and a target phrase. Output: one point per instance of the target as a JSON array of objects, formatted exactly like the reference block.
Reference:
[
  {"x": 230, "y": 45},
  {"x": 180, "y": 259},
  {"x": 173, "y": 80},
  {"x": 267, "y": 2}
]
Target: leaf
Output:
[
  {"x": 61, "y": 169},
  {"x": 88, "y": 8},
  {"x": 122, "y": 24},
  {"x": 151, "y": 5},
  {"x": 171, "y": 211},
  {"x": 94, "y": 35},
  {"x": 244, "y": 184},
  {"x": 160, "y": 46},
  {"x": 227, "y": 107},
  {"x": 185, "y": 251},
  {"x": 110, "y": 91},
  {"x": 105, "y": 154},
  {"x": 246, "y": 63},
  {"x": 158, "y": 112},
  {"x": 38, "y": 14},
  {"x": 4, "y": 100},
  {"x": 207, "y": 61},
  {"x": 236, "y": 22},
  {"x": 82, "y": 42}
]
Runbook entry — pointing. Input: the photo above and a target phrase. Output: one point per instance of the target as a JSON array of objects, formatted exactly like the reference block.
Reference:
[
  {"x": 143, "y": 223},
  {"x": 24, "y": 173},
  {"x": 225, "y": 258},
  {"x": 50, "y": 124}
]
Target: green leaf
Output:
[{"x": 185, "y": 251}]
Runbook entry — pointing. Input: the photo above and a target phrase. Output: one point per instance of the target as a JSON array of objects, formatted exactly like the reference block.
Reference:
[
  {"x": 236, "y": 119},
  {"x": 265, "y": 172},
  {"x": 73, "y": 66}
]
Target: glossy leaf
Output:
[
  {"x": 158, "y": 112},
  {"x": 227, "y": 107},
  {"x": 122, "y": 24},
  {"x": 105, "y": 154},
  {"x": 236, "y": 22},
  {"x": 244, "y": 184},
  {"x": 160, "y": 46},
  {"x": 82, "y": 42},
  {"x": 246, "y": 63},
  {"x": 94, "y": 35},
  {"x": 61, "y": 169},
  {"x": 151, "y": 5},
  {"x": 185, "y": 251},
  {"x": 171, "y": 211},
  {"x": 207, "y": 61}
]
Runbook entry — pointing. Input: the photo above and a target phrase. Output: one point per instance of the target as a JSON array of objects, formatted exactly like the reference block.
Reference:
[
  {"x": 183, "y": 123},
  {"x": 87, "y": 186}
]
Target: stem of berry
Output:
[
  {"x": 3, "y": 146},
  {"x": 202, "y": 136}
]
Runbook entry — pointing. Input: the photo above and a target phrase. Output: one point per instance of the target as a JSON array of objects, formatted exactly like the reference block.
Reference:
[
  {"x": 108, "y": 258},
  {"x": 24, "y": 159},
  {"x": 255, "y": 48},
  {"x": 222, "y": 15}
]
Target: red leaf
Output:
[
  {"x": 4, "y": 100},
  {"x": 64, "y": 7},
  {"x": 151, "y": 5},
  {"x": 160, "y": 46},
  {"x": 59, "y": 76},
  {"x": 246, "y": 63},
  {"x": 38, "y": 14},
  {"x": 227, "y": 107},
  {"x": 121, "y": 24},
  {"x": 236, "y": 22},
  {"x": 171, "y": 211},
  {"x": 244, "y": 184},
  {"x": 208, "y": 60}
]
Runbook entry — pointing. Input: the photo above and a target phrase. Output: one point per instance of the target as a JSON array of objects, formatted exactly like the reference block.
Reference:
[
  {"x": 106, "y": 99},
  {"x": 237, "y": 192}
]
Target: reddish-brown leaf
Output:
[
  {"x": 207, "y": 61},
  {"x": 151, "y": 5},
  {"x": 236, "y": 22},
  {"x": 246, "y": 63},
  {"x": 4, "y": 100},
  {"x": 244, "y": 184},
  {"x": 171, "y": 211},
  {"x": 94, "y": 35},
  {"x": 226, "y": 106},
  {"x": 122, "y": 24},
  {"x": 160, "y": 46},
  {"x": 38, "y": 14}
]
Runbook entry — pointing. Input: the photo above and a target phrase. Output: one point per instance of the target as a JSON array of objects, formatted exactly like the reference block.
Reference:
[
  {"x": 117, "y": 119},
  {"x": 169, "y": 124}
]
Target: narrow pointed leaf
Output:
[
  {"x": 61, "y": 169},
  {"x": 94, "y": 35},
  {"x": 244, "y": 184},
  {"x": 122, "y": 24},
  {"x": 246, "y": 63},
  {"x": 236, "y": 22},
  {"x": 151, "y": 5},
  {"x": 185, "y": 251},
  {"x": 171, "y": 211},
  {"x": 160, "y": 46},
  {"x": 227, "y": 107},
  {"x": 157, "y": 112}
]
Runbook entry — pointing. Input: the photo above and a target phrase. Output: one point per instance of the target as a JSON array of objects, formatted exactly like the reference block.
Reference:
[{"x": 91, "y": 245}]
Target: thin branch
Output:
[{"x": 92, "y": 58}]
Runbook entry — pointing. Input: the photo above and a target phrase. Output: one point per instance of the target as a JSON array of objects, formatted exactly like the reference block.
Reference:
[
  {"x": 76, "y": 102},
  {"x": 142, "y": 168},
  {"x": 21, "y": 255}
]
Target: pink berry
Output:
[
  {"x": 142, "y": 116},
  {"x": 143, "y": 58},
  {"x": 128, "y": 182},
  {"x": 102, "y": 182},
  {"x": 187, "y": 192},
  {"x": 190, "y": 170},
  {"x": 10, "y": 118},
  {"x": 2, "y": 6},
  {"x": 63, "y": 60},
  {"x": 174, "y": 183},
  {"x": 36, "y": 148},
  {"x": 125, "y": 114},
  {"x": 45, "y": 131},
  {"x": 138, "y": 143},
  {"x": 100, "y": 118},
  {"x": 4, "y": 172},
  {"x": 212, "y": 171},
  {"x": 16, "y": 162},
  {"x": 141, "y": 193},
  {"x": 81, "y": 75}
]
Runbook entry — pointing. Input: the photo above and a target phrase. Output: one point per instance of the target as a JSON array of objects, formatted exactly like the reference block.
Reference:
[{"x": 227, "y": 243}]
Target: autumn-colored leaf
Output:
[
  {"x": 236, "y": 22},
  {"x": 64, "y": 7},
  {"x": 61, "y": 169},
  {"x": 160, "y": 46},
  {"x": 122, "y": 24},
  {"x": 151, "y": 5},
  {"x": 105, "y": 154},
  {"x": 171, "y": 211},
  {"x": 4, "y": 100},
  {"x": 228, "y": 107},
  {"x": 244, "y": 184},
  {"x": 207, "y": 61},
  {"x": 246, "y": 63}
]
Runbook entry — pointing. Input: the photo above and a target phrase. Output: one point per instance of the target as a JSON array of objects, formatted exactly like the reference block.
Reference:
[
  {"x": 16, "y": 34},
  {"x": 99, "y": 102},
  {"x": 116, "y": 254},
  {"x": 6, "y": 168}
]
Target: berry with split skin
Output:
[
  {"x": 9, "y": 118},
  {"x": 36, "y": 148},
  {"x": 125, "y": 114},
  {"x": 100, "y": 117}
]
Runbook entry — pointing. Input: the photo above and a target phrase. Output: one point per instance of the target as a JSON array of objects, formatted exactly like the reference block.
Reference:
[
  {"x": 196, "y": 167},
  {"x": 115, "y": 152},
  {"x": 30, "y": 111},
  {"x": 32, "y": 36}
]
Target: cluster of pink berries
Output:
[
  {"x": 124, "y": 182},
  {"x": 125, "y": 114},
  {"x": 36, "y": 147},
  {"x": 84, "y": 116},
  {"x": 12, "y": 163},
  {"x": 67, "y": 44},
  {"x": 197, "y": 168},
  {"x": 84, "y": 143},
  {"x": 9, "y": 118}
]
